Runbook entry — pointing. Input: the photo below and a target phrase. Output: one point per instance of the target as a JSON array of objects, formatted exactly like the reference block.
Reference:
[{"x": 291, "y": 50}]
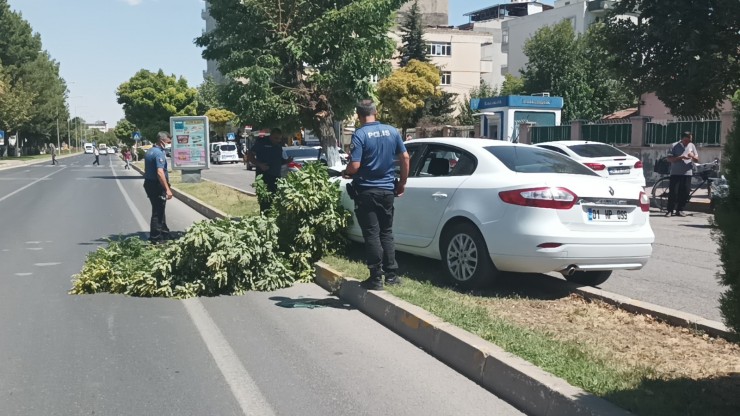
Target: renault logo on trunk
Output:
[{"x": 611, "y": 191}]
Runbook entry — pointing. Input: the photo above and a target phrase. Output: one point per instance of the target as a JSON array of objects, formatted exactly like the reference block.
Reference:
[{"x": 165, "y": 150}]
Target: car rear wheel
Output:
[
  {"x": 466, "y": 257},
  {"x": 590, "y": 278}
]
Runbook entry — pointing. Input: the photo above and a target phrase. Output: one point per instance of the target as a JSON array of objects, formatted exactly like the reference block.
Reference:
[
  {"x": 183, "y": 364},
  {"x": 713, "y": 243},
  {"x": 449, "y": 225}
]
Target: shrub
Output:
[{"x": 727, "y": 230}]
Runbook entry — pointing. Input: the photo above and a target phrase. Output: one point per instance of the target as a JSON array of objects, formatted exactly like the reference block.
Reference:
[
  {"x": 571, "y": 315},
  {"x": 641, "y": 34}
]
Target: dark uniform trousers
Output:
[
  {"x": 374, "y": 211},
  {"x": 158, "y": 230},
  {"x": 678, "y": 192}
]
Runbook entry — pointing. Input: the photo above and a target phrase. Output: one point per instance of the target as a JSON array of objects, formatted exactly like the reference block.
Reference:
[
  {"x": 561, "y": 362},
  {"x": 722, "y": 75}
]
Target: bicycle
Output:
[{"x": 702, "y": 171}]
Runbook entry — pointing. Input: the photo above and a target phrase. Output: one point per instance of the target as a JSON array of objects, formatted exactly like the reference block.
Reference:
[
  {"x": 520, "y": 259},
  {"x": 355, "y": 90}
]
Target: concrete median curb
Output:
[{"x": 515, "y": 380}]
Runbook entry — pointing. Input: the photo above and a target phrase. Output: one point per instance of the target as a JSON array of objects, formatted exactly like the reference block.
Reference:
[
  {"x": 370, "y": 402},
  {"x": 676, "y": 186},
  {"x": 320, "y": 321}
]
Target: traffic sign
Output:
[
  {"x": 2, "y": 134},
  {"x": 137, "y": 136},
  {"x": 230, "y": 137}
]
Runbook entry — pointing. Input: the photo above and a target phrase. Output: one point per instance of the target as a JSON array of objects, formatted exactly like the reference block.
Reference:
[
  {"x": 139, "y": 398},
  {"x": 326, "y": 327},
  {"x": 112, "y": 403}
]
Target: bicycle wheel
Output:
[{"x": 660, "y": 194}]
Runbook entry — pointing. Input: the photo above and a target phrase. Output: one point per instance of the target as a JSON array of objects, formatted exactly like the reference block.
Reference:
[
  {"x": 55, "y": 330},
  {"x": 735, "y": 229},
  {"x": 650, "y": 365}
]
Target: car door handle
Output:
[{"x": 439, "y": 195}]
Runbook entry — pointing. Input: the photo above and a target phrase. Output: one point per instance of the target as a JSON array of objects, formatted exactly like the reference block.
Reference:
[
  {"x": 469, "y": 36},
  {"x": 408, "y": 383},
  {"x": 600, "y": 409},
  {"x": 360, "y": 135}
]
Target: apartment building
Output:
[{"x": 98, "y": 125}]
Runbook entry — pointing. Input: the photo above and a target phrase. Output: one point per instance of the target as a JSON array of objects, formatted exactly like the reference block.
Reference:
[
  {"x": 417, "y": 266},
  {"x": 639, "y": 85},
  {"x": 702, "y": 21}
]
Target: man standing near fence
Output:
[{"x": 682, "y": 156}]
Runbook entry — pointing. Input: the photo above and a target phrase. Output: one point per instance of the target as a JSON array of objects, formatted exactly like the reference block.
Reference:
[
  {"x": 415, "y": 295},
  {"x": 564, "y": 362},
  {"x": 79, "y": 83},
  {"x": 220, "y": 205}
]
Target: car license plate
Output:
[
  {"x": 619, "y": 171},
  {"x": 607, "y": 215}
]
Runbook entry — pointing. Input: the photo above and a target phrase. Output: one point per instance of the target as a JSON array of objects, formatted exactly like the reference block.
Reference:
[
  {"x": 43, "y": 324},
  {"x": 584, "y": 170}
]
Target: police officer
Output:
[
  {"x": 268, "y": 157},
  {"x": 157, "y": 187},
  {"x": 373, "y": 153}
]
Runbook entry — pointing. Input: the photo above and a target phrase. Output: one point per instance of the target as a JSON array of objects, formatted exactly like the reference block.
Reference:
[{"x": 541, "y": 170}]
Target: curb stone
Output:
[{"x": 515, "y": 380}]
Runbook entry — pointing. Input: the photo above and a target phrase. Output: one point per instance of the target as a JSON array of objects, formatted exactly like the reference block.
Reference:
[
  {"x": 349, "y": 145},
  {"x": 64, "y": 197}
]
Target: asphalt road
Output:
[
  {"x": 680, "y": 274},
  {"x": 257, "y": 354}
]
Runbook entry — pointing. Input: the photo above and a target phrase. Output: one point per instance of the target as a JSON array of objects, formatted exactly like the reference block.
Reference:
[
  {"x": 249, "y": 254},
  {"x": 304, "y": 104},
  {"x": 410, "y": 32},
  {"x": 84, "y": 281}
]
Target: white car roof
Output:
[
  {"x": 571, "y": 142},
  {"x": 465, "y": 142}
]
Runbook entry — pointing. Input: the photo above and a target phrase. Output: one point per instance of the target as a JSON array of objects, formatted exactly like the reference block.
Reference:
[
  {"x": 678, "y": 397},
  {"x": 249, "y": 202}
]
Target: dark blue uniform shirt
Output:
[
  {"x": 376, "y": 146},
  {"x": 154, "y": 159},
  {"x": 266, "y": 152}
]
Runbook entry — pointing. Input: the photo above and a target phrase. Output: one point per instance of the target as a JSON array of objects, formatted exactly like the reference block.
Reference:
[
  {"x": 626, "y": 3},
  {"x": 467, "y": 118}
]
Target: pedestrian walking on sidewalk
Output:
[
  {"x": 96, "y": 152},
  {"x": 53, "y": 150},
  {"x": 682, "y": 156},
  {"x": 373, "y": 153},
  {"x": 157, "y": 187}
]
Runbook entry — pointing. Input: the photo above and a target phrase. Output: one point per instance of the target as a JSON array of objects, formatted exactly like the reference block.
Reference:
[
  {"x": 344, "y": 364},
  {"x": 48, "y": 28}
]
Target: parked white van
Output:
[
  {"x": 89, "y": 148},
  {"x": 224, "y": 152}
]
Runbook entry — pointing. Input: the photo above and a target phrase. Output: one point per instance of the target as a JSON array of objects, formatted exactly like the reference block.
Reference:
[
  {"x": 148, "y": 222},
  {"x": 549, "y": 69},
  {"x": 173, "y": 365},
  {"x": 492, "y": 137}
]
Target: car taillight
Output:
[
  {"x": 644, "y": 202},
  {"x": 294, "y": 165},
  {"x": 638, "y": 164},
  {"x": 555, "y": 198},
  {"x": 595, "y": 166}
]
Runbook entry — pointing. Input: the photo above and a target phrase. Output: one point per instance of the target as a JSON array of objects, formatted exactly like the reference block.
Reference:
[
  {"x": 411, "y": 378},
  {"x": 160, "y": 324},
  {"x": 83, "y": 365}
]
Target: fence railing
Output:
[
  {"x": 549, "y": 133},
  {"x": 706, "y": 132},
  {"x": 611, "y": 133}
]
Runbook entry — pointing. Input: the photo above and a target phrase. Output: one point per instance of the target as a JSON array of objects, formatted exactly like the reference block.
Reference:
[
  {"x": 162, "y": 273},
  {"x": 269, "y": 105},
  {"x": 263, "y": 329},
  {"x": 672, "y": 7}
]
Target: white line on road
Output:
[
  {"x": 23, "y": 274},
  {"x": 46, "y": 264},
  {"x": 245, "y": 390},
  {"x": 30, "y": 184}
]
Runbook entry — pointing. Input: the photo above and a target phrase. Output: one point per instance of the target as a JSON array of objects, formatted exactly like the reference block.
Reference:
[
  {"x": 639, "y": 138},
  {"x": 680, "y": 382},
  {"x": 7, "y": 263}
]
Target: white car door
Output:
[{"x": 430, "y": 188}]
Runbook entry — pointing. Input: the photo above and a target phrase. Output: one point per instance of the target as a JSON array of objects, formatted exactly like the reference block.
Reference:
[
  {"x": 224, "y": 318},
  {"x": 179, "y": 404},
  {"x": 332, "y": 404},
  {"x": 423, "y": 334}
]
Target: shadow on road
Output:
[{"x": 310, "y": 303}]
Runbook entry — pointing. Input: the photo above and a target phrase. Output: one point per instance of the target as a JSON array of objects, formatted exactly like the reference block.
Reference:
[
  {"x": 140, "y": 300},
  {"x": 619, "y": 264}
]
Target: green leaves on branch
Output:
[{"x": 225, "y": 257}]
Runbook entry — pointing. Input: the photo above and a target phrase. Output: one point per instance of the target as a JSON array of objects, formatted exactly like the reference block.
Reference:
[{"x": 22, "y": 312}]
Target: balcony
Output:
[{"x": 600, "y": 6}]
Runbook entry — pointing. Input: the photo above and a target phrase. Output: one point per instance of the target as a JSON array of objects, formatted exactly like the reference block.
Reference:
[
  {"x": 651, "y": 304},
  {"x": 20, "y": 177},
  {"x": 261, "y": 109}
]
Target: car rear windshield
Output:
[
  {"x": 524, "y": 159},
  {"x": 595, "y": 150},
  {"x": 304, "y": 153},
  {"x": 227, "y": 147}
]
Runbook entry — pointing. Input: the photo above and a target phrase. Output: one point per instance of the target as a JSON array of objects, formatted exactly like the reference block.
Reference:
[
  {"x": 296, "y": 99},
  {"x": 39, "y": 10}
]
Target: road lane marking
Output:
[
  {"x": 30, "y": 184},
  {"x": 245, "y": 390},
  {"x": 46, "y": 264},
  {"x": 23, "y": 274}
]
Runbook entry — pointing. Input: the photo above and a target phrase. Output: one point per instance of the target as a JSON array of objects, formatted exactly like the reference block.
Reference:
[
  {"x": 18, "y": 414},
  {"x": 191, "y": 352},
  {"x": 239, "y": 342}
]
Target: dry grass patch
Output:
[{"x": 621, "y": 338}]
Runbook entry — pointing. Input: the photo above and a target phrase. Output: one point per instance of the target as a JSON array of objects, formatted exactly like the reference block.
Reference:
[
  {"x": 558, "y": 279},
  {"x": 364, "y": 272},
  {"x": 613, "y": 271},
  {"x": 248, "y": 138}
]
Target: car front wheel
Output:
[
  {"x": 589, "y": 278},
  {"x": 466, "y": 257}
]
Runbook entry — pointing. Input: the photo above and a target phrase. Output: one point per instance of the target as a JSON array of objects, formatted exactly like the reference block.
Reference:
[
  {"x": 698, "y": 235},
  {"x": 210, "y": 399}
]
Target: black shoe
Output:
[
  {"x": 372, "y": 284},
  {"x": 679, "y": 214},
  {"x": 392, "y": 280}
]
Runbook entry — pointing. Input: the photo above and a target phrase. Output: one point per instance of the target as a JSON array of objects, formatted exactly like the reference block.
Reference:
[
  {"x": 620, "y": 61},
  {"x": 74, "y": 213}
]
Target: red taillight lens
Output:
[
  {"x": 638, "y": 164},
  {"x": 294, "y": 165},
  {"x": 549, "y": 245},
  {"x": 554, "y": 198},
  {"x": 595, "y": 166},
  {"x": 644, "y": 202}
]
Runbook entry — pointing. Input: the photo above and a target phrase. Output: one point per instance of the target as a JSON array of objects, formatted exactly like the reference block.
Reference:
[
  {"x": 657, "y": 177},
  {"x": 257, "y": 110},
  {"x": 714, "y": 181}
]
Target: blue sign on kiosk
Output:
[{"x": 500, "y": 117}]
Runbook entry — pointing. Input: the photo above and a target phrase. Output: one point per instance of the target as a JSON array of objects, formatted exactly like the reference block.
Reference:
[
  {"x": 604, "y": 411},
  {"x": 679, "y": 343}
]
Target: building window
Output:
[
  {"x": 504, "y": 69},
  {"x": 439, "y": 49},
  {"x": 505, "y": 37},
  {"x": 446, "y": 78}
]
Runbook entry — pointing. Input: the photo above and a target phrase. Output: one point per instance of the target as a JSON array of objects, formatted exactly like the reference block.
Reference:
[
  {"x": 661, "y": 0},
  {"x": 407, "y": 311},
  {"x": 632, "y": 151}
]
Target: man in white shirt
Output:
[{"x": 682, "y": 156}]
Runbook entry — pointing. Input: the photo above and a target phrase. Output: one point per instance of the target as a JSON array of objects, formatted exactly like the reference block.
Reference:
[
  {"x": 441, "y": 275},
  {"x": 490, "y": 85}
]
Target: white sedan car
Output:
[
  {"x": 606, "y": 160},
  {"x": 503, "y": 207}
]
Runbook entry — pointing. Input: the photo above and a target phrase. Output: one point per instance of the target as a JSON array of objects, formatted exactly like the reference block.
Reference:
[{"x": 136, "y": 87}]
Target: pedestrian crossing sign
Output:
[
  {"x": 137, "y": 136},
  {"x": 230, "y": 136}
]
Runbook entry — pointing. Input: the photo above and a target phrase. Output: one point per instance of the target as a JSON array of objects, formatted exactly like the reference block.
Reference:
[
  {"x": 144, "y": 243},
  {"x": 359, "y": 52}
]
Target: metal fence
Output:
[
  {"x": 706, "y": 132},
  {"x": 549, "y": 133},
  {"x": 617, "y": 132}
]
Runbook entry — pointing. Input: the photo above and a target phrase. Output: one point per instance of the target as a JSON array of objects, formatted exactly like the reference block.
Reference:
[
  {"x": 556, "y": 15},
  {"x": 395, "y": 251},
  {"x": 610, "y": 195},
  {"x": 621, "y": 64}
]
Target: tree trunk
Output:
[{"x": 324, "y": 118}]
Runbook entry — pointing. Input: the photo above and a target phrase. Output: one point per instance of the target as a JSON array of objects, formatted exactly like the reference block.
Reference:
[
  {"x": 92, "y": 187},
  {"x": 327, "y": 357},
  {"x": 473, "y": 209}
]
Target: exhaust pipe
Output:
[{"x": 570, "y": 270}]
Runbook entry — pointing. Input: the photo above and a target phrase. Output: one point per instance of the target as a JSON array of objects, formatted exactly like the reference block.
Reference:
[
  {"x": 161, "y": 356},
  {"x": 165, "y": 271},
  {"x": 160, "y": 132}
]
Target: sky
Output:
[{"x": 101, "y": 44}]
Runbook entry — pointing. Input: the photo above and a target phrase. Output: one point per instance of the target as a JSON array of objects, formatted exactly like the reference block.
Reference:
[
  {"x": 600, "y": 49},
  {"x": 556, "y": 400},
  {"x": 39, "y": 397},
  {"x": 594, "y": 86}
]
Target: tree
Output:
[
  {"x": 406, "y": 91},
  {"x": 149, "y": 100},
  {"x": 687, "y": 52},
  {"x": 218, "y": 118},
  {"x": 559, "y": 62},
  {"x": 484, "y": 90},
  {"x": 303, "y": 63},
  {"x": 209, "y": 95},
  {"x": 438, "y": 109},
  {"x": 727, "y": 232},
  {"x": 512, "y": 85},
  {"x": 124, "y": 132},
  {"x": 15, "y": 104},
  {"x": 413, "y": 45}
]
